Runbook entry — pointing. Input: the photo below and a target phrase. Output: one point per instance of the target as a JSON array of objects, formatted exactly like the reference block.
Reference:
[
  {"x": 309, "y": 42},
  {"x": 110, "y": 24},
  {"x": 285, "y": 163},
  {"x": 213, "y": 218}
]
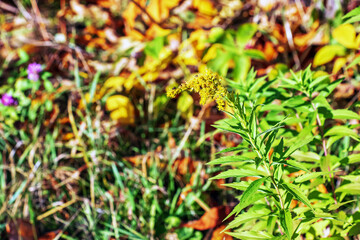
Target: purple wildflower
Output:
[
  {"x": 33, "y": 71},
  {"x": 7, "y": 100}
]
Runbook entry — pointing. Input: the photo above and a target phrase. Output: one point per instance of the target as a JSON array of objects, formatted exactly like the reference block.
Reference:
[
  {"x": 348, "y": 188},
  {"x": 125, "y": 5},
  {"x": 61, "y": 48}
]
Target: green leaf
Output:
[
  {"x": 154, "y": 47},
  {"x": 297, "y": 165},
  {"x": 351, "y": 188},
  {"x": 330, "y": 88},
  {"x": 229, "y": 159},
  {"x": 308, "y": 176},
  {"x": 298, "y": 144},
  {"x": 344, "y": 114},
  {"x": 232, "y": 149},
  {"x": 251, "y": 235},
  {"x": 254, "y": 54},
  {"x": 230, "y": 125},
  {"x": 318, "y": 81},
  {"x": 237, "y": 209},
  {"x": 245, "y": 217},
  {"x": 305, "y": 156},
  {"x": 23, "y": 57},
  {"x": 93, "y": 86},
  {"x": 247, "y": 196},
  {"x": 244, "y": 33},
  {"x": 297, "y": 193},
  {"x": 220, "y": 63},
  {"x": 336, "y": 206},
  {"x": 354, "y": 158},
  {"x": 243, "y": 185},
  {"x": 352, "y": 16},
  {"x": 286, "y": 222},
  {"x": 353, "y": 62},
  {"x": 354, "y": 12},
  {"x": 242, "y": 66},
  {"x": 342, "y": 131},
  {"x": 239, "y": 173}
]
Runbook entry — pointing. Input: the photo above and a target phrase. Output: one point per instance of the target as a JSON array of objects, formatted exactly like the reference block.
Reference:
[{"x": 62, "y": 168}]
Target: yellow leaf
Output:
[
  {"x": 211, "y": 53},
  {"x": 119, "y": 82},
  {"x": 205, "y": 7},
  {"x": 339, "y": 63},
  {"x": 319, "y": 74},
  {"x": 345, "y": 35},
  {"x": 156, "y": 31},
  {"x": 160, "y": 10},
  {"x": 121, "y": 109},
  {"x": 327, "y": 53},
  {"x": 185, "y": 105}
]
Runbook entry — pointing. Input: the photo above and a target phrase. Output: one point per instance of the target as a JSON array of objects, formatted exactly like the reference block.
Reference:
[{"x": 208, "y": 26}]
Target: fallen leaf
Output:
[
  {"x": 205, "y": 7},
  {"x": 121, "y": 109},
  {"x": 210, "y": 219},
  {"x": 219, "y": 235},
  {"x": 327, "y": 54},
  {"x": 338, "y": 65},
  {"x": 345, "y": 34},
  {"x": 296, "y": 174},
  {"x": 20, "y": 229}
]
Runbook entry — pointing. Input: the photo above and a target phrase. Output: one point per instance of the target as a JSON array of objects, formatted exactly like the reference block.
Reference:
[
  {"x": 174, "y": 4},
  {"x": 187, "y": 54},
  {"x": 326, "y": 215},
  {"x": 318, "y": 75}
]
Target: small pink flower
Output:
[
  {"x": 7, "y": 100},
  {"x": 33, "y": 71}
]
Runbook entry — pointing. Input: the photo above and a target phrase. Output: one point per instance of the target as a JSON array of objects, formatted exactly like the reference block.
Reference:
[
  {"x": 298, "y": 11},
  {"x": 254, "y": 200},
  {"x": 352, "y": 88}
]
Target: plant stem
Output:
[{"x": 267, "y": 169}]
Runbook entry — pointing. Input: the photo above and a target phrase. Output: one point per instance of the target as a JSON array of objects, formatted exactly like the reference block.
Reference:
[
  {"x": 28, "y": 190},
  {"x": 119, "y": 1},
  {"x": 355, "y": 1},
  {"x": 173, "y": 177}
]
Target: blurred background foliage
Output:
[{"x": 95, "y": 150}]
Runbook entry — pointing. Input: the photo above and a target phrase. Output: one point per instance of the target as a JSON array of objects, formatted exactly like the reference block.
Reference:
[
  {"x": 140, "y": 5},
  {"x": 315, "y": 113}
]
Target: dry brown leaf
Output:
[
  {"x": 210, "y": 219},
  {"x": 20, "y": 229}
]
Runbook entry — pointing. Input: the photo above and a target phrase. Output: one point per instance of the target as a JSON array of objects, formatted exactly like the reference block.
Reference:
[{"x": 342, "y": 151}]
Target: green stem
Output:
[{"x": 267, "y": 168}]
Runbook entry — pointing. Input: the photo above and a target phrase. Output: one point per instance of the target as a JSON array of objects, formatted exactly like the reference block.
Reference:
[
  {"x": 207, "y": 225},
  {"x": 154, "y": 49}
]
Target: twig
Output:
[
  {"x": 289, "y": 37},
  {"x": 8, "y": 8},
  {"x": 22, "y": 10},
  {"x": 188, "y": 132},
  {"x": 39, "y": 20}
]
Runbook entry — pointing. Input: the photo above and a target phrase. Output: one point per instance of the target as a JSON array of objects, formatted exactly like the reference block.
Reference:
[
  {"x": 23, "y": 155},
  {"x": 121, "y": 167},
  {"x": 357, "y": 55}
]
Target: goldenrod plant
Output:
[{"x": 293, "y": 159}]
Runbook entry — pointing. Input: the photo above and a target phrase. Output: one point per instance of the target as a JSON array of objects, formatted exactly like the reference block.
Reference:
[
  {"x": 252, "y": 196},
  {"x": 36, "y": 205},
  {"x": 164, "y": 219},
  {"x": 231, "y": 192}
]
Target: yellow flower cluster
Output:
[{"x": 207, "y": 84}]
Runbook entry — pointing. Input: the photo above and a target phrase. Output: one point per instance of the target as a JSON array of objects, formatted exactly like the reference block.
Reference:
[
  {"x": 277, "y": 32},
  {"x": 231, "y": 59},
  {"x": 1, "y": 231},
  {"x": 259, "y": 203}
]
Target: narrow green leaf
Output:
[
  {"x": 298, "y": 144},
  {"x": 342, "y": 131},
  {"x": 239, "y": 173},
  {"x": 286, "y": 222},
  {"x": 229, "y": 159},
  {"x": 237, "y": 209},
  {"x": 336, "y": 206},
  {"x": 308, "y": 176},
  {"x": 354, "y": 62},
  {"x": 330, "y": 88},
  {"x": 297, "y": 193},
  {"x": 351, "y": 188},
  {"x": 255, "y": 54},
  {"x": 245, "y": 217},
  {"x": 232, "y": 149},
  {"x": 251, "y": 235},
  {"x": 93, "y": 86},
  {"x": 344, "y": 114},
  {"x": 247, "y": 196},
  {"x": 354, "y": 158}
]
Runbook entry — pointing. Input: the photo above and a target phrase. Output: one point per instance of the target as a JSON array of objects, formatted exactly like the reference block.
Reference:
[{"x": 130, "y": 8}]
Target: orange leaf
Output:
[
  {"x": 160, "y": 10},
  {"x": 219, "y": 235},
  {"x": 20, "y": 229},
  {"x": 49, "y": 235},
  {"x": 296, "y": 174},
  {"x": 210, "y": 219},
  {"x": 269, "y": 51}
]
